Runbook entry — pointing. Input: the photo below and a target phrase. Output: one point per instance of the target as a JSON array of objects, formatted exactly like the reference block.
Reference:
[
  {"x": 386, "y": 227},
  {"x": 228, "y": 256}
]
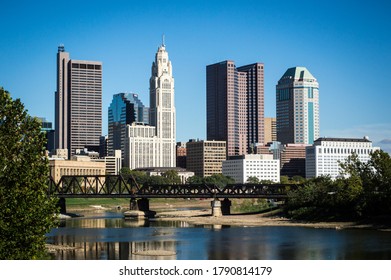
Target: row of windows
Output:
[
  {"x": 79, "y": 171},
  {"x": 86, "y": 66},
  {"x": 344, "y": 151}
]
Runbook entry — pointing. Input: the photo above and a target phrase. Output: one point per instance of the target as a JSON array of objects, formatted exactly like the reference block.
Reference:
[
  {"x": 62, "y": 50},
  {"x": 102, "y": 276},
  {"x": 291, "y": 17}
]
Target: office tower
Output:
[
  {"x": 46, "y": 127},
  {"x": 140, "y": 146},
  {"x": 78, "y": 103},
  {"x": 270, "y": 130},
  {"x": 205, "y": 158},
  {"x": 125, "y": 108},
  {"x": 181, "y": 153},
  {"x": 324, "y": 156},
  {"x": 235, "y": 105},
  {"x": 103, "y": 146},
  {"x": 297, "y": 102},
  {"x": 293, "y": 160},
  {"x": 162, "y": 107}
]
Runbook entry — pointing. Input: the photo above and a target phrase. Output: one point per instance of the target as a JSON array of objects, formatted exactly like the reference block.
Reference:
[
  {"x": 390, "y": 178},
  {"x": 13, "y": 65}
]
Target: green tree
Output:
[
  {"x": 284, "y": 180},
  {"x": 172, "y": 177},
  {"x": 157, "y": 180},
  {"x": 195, "y": 180},
  {"x": 252, "y": 180},
  {"x": 375, "y": 176},
  {"x": 26, "y": 211},
  {"x": 298, "y": 179},
  {"x": 218, "y": 180}
]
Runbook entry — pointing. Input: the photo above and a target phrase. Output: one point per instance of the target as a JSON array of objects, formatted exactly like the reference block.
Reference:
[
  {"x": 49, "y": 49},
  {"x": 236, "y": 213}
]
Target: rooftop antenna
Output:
[{"x": 163, "y": 41}]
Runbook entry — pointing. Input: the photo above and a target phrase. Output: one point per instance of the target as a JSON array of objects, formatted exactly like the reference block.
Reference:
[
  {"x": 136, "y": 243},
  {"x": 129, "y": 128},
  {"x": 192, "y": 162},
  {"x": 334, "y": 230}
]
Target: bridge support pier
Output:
[
  {"x": 62, "y": 205},
  {"x": 216, "y": 208},
  {"x": 133, "y": 204},
  {"x": 139, "y": 204},
  {"x": 226, "y": 206},
  {"x": 143, "y": 204}
]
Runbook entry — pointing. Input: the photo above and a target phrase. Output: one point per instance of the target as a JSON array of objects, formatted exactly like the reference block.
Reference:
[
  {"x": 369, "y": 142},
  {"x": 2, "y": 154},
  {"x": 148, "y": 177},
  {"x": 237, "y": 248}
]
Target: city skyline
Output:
[{"x": 345, "y": 47}]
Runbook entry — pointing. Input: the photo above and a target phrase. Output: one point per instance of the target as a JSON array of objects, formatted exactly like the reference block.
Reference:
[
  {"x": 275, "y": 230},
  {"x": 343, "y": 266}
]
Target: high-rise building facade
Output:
[
  {"x": 125, "y": 108},
  {"x": 235, "y": 105},
  {"x": 297, "y": 102},
  {"x": 162, "y": 107},
  {"x": 78, "y": 103},
  {"x": 270, "y": 130},
  {"x": 205, "y": 158}
]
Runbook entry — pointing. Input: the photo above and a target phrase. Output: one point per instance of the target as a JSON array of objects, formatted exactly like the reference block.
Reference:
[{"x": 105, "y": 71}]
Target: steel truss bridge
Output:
[{"x": 117, "y": 186}]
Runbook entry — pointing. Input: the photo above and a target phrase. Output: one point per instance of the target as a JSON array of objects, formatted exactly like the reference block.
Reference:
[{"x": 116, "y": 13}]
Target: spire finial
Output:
[{"x": 163, "y": 40}]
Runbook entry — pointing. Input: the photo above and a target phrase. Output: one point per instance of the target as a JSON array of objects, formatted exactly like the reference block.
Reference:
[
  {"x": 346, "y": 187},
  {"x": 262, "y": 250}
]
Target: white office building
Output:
[
  {"x": 240, "y": 168},
  {"x": 114, "y": 163},
  {"x": 323, "y": 158},
  {"x": 141, "y": 146}
]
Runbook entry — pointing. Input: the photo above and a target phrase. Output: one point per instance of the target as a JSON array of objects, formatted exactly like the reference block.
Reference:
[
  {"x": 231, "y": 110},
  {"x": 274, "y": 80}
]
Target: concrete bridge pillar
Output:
[
  {"x": 133, "y": 204},
  {"x": 216, "y": 208},
  {"x": 62, "y": 205},
  {"x": 143, "y": 204},
  {"x": 226, "y": 206}
]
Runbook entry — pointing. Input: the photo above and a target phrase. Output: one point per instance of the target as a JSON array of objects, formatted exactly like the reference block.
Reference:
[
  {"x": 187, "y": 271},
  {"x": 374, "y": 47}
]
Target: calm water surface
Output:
[{"x": 106, "y": 235}]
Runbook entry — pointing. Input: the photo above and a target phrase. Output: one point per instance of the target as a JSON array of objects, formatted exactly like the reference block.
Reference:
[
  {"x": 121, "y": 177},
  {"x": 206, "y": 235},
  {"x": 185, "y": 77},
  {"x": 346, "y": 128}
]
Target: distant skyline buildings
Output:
[
  {"x": 297, "y": 107},
  {"x": 235, "y": 105},
  {"x": 78, "y": 103}
]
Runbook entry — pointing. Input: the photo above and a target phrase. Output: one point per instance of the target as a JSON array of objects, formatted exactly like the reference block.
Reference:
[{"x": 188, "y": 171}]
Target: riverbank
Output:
[{"x": 198, "y": 212}]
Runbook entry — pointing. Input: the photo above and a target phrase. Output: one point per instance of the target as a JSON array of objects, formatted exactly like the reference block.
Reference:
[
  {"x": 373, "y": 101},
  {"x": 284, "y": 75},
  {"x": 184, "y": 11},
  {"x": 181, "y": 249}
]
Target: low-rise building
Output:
[
  {"x": 114, "y": 163},
  {"x": 263, "y": 167},
  {"x": 323, "y": 158},
  {"x": 77, "y": 166}
]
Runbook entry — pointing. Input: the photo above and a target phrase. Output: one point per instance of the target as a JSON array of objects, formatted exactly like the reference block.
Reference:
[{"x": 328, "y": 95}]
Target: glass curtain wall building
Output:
[{"x": 125, "y": 108}]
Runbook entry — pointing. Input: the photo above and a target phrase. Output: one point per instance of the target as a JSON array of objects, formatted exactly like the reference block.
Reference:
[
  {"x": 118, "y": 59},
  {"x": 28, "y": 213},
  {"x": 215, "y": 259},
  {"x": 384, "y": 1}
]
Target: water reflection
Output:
[{"x": 109, "y": 236}]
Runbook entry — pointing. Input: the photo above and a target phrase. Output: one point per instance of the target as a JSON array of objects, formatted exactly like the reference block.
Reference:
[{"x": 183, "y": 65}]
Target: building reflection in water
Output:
[{"x": 118, "y": 250}]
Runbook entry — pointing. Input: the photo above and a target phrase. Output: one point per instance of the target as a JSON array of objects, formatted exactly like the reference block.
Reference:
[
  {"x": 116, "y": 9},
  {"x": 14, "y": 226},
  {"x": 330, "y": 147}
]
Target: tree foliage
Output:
[
  {"x": 26, "y": 212},
  {"x": 363, "y": 190},
  {"x": 218, "y": 180}
]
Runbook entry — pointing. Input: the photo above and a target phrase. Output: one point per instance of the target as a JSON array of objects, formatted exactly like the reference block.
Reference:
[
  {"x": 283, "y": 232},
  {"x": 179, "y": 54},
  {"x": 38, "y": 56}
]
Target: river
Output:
[{"x": 107, "y": 235}]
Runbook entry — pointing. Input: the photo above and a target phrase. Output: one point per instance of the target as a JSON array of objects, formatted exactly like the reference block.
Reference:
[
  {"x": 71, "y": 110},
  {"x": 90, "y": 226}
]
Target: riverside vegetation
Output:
[{"x": 26, "y": 212}]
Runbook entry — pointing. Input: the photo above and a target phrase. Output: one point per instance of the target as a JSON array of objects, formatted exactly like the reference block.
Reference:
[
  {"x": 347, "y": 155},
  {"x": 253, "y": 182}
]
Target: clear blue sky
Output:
[{"x": 346, "y": 45}]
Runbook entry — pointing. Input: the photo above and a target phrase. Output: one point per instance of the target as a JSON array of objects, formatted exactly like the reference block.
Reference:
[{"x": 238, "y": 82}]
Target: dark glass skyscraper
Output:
[
  {"x": 235, "y": 105},
  {"x": 125, "y": 108}
]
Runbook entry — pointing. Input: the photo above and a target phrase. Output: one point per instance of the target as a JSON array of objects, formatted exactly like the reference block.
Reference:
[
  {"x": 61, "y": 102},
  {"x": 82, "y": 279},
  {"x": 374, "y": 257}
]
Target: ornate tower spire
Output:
[{"x": 162, "y": 106}]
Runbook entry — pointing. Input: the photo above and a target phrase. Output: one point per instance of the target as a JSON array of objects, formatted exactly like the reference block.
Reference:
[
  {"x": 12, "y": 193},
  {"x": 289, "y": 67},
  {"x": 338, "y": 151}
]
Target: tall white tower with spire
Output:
[{"x": 162, "y": 107}]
